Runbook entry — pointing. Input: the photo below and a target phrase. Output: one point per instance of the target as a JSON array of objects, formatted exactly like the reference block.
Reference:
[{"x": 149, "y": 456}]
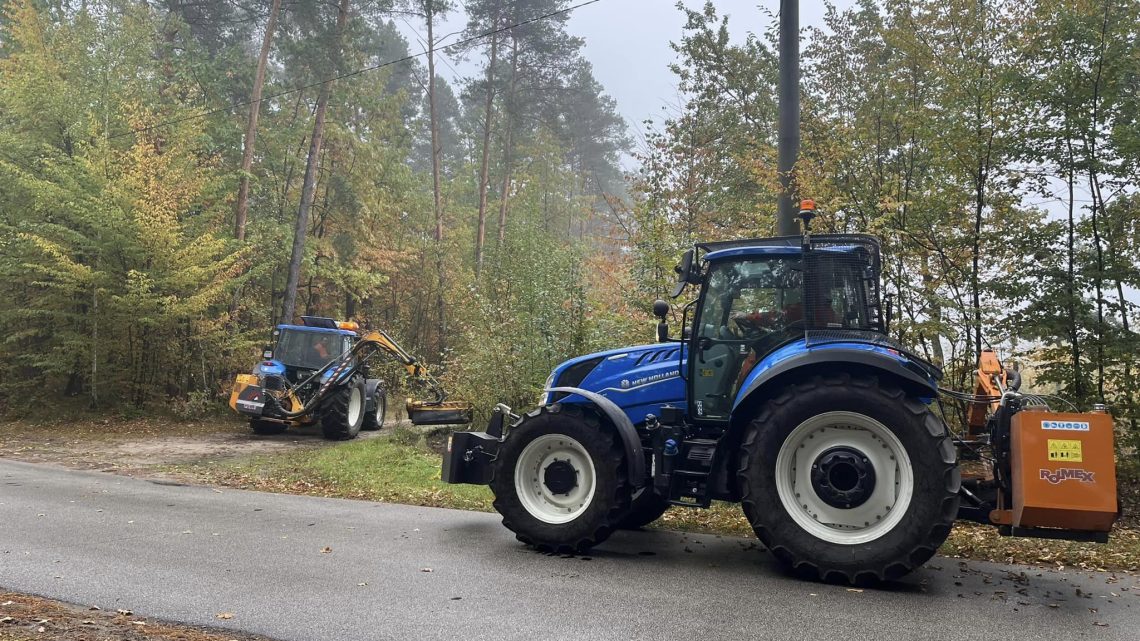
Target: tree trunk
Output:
[
  {"x": 94, "y": 345},
  {"x": 1071, "y": 284},
  {"x": 979, "y": 206},
  {"x": 1098, "y": 207},
  {"x": 309, "y": 186},
  {"x": 436, "y": 151},
  {"x": 242, "y": 207},
  {"x": 504, "y": 196},
  {"x": 485, "y": 163}
]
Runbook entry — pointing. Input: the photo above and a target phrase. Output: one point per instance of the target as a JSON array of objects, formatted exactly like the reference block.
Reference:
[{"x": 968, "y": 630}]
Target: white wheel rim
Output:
[
  {"x": 536, "y": 497},
  {"x": 379, "y": 411},
  {"x": 354, "y": 406},
  {"x": 894, "y": 478}
]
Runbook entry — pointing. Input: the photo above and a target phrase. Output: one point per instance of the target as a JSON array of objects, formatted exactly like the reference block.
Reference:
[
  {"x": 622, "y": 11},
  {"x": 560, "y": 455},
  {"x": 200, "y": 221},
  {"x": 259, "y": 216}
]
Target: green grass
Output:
[
  {"x": 394, "y": 470},
  {"x": 378, "y": 469}
]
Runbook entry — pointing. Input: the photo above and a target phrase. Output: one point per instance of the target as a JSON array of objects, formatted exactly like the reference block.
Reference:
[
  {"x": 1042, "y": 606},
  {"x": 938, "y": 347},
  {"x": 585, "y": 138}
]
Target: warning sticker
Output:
[{"x": 1065, "y": 450}]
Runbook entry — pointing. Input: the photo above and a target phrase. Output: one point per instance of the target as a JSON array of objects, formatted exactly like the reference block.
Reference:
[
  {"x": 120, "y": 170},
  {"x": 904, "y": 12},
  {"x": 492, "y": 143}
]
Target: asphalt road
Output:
[{"x": 301, "y": 568}]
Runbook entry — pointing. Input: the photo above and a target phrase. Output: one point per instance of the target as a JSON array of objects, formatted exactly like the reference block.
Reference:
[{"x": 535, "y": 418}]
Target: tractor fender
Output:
[
  {"x": 634, "y": 456},
  {"x": 824, "y": 360},
  {"x": 370, "y": 388}
]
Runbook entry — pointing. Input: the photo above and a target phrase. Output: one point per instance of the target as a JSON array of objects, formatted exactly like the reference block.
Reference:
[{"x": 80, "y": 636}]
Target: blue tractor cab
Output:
[
  {"x": 298, "y": 350},
  {"x": 783, "y": 393}
]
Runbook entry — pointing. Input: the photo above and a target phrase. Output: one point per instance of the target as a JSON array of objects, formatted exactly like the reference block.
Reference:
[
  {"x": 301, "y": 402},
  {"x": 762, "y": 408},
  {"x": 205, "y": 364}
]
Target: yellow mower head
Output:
[{"x": 441, "y": 413}]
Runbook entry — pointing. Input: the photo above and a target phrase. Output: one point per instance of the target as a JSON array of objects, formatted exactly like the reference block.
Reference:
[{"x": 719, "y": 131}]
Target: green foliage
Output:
[
  {"x": 118, "y": 174},
  {"x": 992, "y": 146},
  {"x": 953, "y": 131}
]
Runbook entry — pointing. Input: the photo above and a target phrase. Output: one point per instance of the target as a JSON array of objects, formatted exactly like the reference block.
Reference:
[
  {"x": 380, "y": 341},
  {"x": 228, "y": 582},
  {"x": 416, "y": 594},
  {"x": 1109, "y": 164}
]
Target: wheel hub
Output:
[
  {"x": 560, "y": 477},
  {"x": 843, "y": 477}
]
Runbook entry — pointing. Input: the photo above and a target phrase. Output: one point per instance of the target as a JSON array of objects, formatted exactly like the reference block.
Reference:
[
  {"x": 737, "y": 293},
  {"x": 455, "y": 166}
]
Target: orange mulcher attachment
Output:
[{"x": 1055, "y": 472}]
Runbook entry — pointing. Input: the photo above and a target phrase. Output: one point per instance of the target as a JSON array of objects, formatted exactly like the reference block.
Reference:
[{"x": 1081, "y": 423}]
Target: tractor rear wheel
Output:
[
  {"x": 374, "y": 420},
  {"x": 560, "y": 480},
  {"x": 645, "y": 508},
  {"x": 848, "y": 480},
  {"x": 266, "y": 428},
  {"x": 342, "y": 413}
]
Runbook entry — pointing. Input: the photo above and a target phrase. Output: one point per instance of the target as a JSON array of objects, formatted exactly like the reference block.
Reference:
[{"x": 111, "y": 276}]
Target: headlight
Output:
[{"x": 545, "y": 397}]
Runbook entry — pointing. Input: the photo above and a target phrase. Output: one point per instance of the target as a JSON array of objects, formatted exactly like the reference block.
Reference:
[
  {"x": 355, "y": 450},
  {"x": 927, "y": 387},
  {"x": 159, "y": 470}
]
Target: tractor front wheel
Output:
[
  {"x": 848, "y": 480},
  {"x": 560, "y": 480},
  {"x": 342, "y": 413}
]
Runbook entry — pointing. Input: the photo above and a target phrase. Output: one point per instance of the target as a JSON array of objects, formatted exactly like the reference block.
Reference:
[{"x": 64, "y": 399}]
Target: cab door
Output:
[{"x": 748, "y": 308}]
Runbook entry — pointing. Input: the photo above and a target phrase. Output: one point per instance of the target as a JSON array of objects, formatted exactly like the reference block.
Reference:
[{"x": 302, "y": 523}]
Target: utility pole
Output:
[{"x": 788, "y": 128}]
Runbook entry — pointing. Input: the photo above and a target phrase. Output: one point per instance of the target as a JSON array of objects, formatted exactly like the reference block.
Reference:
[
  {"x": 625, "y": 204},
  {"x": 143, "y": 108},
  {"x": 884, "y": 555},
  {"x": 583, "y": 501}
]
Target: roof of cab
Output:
[
  {"x": 753, "y": 251},
  {"x": 787, "y": 245},
  {"x": 318, "y": 330}
]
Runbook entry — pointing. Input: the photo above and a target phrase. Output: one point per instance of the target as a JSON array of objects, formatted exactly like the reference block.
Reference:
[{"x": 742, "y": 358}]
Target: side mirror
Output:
[
  {"x": 267, "y": 354},
  {"x": 684, "y": 271},
  {"x": 661, "y": 310}
]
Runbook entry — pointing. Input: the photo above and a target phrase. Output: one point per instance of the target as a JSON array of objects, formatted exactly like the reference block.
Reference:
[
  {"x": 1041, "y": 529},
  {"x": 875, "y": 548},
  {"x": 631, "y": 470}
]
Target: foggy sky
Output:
[{"x": 627, "y": 42}]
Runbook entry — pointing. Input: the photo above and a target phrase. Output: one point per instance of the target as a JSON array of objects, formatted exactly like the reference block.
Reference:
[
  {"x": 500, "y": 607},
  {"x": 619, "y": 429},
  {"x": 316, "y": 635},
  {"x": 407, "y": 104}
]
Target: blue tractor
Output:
[
  {"x": 311, "y": 373},
  {"x": 784, "y": 394}
]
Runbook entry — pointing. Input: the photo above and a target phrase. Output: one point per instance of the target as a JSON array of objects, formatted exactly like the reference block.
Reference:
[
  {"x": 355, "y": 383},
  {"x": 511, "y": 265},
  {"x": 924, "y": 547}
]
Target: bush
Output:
[{"x": 196, "y": 405}]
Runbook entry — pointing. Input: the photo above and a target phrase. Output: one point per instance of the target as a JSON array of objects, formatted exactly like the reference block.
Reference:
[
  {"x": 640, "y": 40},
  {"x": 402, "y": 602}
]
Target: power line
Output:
[{"x": 407, "y": 58}]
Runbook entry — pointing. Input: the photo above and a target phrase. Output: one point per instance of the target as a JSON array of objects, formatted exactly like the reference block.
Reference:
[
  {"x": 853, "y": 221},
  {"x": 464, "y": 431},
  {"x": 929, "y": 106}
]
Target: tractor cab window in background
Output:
[
  {"x": 308, "y": 350},
  {"x": 836, "y": 289}
]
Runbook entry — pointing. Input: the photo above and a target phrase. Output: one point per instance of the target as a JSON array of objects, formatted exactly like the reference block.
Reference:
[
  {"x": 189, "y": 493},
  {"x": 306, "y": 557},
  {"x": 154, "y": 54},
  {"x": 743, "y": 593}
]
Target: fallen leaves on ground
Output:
[{"x": 26, "y": 617}]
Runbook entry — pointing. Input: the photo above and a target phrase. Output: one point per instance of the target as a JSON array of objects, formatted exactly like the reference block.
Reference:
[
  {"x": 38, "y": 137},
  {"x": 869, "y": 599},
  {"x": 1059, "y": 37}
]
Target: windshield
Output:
[{"x": 308, "y": 350}]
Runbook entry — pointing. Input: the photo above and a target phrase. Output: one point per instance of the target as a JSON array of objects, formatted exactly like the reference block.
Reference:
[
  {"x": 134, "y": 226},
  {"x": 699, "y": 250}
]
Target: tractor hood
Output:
[{"x": 639, "y": 379}]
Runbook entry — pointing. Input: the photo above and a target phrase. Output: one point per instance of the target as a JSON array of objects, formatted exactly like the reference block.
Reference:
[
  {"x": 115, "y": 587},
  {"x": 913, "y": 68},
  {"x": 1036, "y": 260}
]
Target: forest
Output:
[{"x": 178, "y": 176}]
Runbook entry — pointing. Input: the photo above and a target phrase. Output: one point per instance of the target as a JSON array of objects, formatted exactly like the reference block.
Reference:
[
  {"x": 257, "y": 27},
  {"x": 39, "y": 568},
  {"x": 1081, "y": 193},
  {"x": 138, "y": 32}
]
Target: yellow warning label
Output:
[{"x": 1064, "y": 450}]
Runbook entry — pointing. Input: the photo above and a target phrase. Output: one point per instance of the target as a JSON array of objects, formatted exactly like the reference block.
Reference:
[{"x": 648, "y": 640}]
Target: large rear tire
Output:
[
  {"x": 848, "y": 480},
  {"x": 560, "y": 480},
  {"x": 342, "y": 413}
]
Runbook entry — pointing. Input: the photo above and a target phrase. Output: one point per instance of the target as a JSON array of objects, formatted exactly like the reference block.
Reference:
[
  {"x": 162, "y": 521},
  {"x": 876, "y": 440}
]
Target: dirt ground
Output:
[
  {"x": 145, "y": 446},
  {"x": 27, "y": 618}
]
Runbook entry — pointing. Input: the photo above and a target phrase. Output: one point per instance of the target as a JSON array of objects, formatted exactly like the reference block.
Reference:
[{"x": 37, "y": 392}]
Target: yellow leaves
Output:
[{"x": 60, "y": 256}]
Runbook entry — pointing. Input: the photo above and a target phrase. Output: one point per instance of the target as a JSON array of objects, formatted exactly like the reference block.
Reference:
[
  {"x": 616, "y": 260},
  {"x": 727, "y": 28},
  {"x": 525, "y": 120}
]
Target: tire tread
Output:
[{"x": 936, "y": 437}]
